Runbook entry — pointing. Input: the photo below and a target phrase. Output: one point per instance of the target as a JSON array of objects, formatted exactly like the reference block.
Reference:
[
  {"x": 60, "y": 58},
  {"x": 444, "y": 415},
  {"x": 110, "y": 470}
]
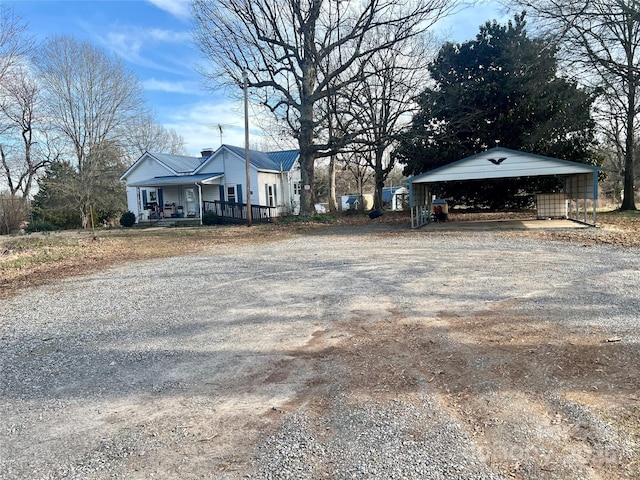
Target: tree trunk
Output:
[
  {"x": 629, "y": 200},
  {"x": 307, "y": 173},
  {"x": 307, "y": 152},
  {"x": 333, "y": 201},
  {"x": 379, "y": 178}
]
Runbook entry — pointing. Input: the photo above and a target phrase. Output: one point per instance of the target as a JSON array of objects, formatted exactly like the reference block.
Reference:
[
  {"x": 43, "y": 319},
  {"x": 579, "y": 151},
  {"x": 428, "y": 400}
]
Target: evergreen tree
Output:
[
  {"x": 501, "y": 89},
  {"x": 56, "y": 197}
]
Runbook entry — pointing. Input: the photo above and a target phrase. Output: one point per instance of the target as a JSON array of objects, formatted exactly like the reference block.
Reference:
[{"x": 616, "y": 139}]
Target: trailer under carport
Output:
[{"x": 580, "y": 180}]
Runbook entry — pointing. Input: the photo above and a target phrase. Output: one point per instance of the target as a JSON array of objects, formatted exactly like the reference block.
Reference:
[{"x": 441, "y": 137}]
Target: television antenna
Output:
[{"x": 220, "y": 127}]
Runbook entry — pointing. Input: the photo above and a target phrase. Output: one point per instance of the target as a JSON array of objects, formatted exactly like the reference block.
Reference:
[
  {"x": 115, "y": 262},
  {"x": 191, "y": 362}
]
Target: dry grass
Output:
[{"x": 38, "y": 259}]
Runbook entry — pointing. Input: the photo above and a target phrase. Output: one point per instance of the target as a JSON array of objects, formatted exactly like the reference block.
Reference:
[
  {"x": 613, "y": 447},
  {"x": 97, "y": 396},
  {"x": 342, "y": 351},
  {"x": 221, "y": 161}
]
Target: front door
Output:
[{"x": 191, "y": 201}]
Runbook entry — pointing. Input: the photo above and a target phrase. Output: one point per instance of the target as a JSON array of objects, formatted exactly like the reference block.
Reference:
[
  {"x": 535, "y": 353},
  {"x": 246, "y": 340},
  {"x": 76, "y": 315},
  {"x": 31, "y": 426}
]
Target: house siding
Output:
[
  {"x": 147, "y": 168},
  {"x": 272, "y": 180},
  {"x": 132, "y": 200}
]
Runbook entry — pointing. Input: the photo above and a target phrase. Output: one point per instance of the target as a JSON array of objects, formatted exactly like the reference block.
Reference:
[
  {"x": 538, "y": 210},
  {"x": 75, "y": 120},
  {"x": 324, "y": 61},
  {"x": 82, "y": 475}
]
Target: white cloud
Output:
[
  {"x": 177, "y": 8},
  {"x": 140, "y": 46},
  {"x": 188, "y": 88},
  {"x": 198, "y": 124}
]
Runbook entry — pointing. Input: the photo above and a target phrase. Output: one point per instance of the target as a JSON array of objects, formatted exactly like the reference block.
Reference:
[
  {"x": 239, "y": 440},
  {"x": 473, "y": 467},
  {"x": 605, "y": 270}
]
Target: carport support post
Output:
[
  {"x": 411, "y": 202},
  {"x": 429, "y": 201},
  {"x": 595, "y": 197}
]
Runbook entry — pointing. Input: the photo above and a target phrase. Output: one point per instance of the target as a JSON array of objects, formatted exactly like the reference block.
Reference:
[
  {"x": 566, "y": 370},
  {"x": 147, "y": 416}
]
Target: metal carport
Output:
[{"x": 580, "y": 180}]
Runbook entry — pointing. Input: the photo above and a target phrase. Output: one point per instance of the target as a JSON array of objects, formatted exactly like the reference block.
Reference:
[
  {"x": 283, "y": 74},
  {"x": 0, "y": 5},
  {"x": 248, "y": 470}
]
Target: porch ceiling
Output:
[{"x": 204, "y": 179}]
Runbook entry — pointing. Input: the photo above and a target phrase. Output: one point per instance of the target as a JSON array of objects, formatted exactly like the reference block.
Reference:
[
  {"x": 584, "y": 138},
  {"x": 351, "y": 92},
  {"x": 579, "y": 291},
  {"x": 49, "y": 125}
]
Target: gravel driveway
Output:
[{"x": 366, "y": 353}]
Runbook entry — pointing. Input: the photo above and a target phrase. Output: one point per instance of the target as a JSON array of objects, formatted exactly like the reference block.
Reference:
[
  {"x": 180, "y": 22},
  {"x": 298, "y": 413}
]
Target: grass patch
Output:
[
  {"x": 28, "y": 243},
  {"x": 29, "y": 250},
  {"x": 32, "y": 260},
  {"x": 317, "y": 218},
  {"x": 633, "y": 215}
]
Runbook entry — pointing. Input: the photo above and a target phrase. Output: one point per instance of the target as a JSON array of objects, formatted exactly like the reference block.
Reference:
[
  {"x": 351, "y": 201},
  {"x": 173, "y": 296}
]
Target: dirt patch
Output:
[{"x": 513, "y": 383}]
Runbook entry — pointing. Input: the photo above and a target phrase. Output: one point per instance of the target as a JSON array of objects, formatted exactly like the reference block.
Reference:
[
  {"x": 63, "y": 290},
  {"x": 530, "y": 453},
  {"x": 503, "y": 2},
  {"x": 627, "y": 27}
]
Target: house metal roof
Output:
[
  {"x": 278, "y": 161},
  {"x": 178, "y": 163},
  {"x": 184, "y": 165},
  {"x": 165, "y": 181},
  {"x": 285, "y": 158}
]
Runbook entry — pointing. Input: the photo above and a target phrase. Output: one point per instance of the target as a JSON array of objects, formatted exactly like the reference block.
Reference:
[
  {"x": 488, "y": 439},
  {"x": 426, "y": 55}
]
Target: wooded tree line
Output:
[
  {"x": 72, "y": 118},
  {"x": 348, "y": 78}
]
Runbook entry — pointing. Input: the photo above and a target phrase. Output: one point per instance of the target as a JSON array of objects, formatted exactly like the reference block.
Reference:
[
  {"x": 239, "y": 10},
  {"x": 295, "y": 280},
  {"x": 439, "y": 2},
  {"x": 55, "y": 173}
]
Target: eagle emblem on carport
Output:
[{"x": 497, "y": 161}]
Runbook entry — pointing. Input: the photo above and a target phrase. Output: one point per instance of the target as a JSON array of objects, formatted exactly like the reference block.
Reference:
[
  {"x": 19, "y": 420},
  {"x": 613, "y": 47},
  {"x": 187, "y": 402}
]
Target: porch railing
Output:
[{"x": 232, "y": 211}]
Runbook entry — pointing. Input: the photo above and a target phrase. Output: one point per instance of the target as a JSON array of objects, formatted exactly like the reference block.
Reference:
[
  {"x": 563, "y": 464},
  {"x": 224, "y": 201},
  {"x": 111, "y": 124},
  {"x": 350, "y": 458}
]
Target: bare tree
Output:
[
  {"x": 19, "y": 107},
  {"x": 383, "y": 103},
  {"x": 357, "y": 164},
  {"x": 603, "y": 37},
  {"x": 91, "y": 98},
  {"x": 299, "y": 52},
  {"x": 15, "y": 43},
  {"x": 153, "y": 137}
]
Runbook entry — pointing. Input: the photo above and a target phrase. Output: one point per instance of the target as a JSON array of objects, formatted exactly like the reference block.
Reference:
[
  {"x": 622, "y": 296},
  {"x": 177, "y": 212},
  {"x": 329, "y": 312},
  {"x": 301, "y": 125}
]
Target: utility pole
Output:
[{"x": 245, "y": 81}]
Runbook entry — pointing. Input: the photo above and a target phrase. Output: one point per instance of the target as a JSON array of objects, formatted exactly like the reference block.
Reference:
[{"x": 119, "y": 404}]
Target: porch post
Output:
[
  {"x": 139, "y": 205},
  {"x": 200, "y": 205}
]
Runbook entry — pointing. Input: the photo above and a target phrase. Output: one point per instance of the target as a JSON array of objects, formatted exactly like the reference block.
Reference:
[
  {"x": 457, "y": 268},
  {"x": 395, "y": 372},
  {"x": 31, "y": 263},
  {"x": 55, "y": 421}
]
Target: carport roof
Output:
[{"x": 502, "y": 162}]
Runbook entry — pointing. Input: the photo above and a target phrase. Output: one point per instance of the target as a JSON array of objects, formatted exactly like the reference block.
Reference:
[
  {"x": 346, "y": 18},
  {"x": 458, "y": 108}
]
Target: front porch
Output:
[
  {"x": 227, "y": 212},
  {"x": 237, "y": 212}
]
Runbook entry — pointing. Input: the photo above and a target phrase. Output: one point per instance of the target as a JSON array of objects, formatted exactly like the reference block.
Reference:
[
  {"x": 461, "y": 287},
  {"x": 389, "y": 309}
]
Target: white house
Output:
[{"x": 161, "y": 186}]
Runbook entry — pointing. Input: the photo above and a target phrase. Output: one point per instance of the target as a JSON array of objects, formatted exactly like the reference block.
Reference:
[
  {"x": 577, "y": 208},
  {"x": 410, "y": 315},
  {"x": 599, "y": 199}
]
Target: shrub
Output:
[
  {"x": 128, "y": 219},
  {"x": 40, "y": 226},
  {"x": 13, "y": 212},
  {"x": 210, "y": 218}
]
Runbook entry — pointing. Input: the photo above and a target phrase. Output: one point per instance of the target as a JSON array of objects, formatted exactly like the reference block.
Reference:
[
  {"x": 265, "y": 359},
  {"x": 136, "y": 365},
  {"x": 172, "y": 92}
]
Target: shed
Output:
[
  {"x": 580, "y": 180},
  {"x": 356, "y": 202},
  {"x": 393, "y": 198}
]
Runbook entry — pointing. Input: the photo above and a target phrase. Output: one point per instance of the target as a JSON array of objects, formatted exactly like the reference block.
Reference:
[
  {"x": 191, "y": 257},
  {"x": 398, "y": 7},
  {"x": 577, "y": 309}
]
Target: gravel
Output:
[
  {"x": 167, "y": 368},
  {"x": 373, "y": 441}
]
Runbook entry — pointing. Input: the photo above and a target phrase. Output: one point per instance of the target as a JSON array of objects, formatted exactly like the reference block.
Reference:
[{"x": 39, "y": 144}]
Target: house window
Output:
[
  {"x": 297, "y": 186},
  {"x": 231, "y": 194}
]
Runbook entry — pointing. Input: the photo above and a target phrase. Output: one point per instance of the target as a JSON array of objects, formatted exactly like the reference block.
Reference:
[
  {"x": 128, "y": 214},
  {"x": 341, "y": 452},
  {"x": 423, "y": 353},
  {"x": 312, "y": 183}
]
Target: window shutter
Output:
[
  {"x": 144, "y": 198},
  {"x": 239, "y": 193},
  {"x": 266, "y": 194},
  {"x": 275, "y": 195},
  {"x": 221, "y": 190}
]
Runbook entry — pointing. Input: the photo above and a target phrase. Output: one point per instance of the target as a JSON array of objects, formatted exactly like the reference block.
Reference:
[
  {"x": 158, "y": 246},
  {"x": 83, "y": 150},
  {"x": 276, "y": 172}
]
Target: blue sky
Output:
[{"x": 153, "y": 38}]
